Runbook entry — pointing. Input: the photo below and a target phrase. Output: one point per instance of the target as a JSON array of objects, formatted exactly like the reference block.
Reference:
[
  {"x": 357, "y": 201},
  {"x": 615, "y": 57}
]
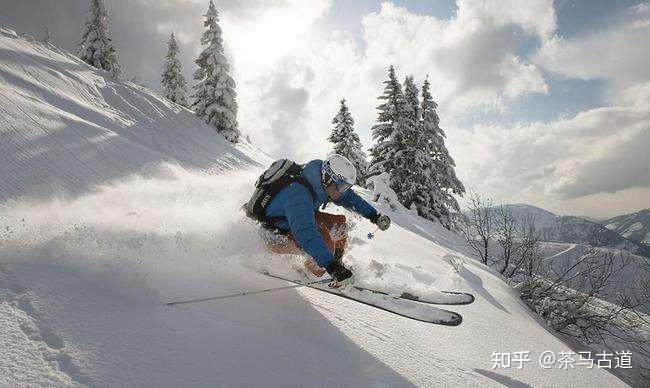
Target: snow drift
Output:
[{"x": 114, "y": 201}]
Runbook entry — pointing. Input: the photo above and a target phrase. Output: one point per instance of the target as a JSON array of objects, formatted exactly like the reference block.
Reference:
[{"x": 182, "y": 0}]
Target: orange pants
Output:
[{"x": 333, "y": 228}]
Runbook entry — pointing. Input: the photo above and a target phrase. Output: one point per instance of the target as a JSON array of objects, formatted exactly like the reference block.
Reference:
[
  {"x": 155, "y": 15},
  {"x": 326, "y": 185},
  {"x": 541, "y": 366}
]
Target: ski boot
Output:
[{"x": 342, "y": 276}]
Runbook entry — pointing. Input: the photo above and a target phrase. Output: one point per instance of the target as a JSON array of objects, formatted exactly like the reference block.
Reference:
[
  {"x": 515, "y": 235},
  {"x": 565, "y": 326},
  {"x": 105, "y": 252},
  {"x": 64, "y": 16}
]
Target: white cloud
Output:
[
  {"x": 260, "y": 35},
  {"x": 569, "y": 161},
  {"x": 624, "y": 165},
  {"x": 619, "y": 54},
  {"x": 535, "y": 17},
  {"x": 471, "y": 60},
  {"x": 639, "y": 15},
  {"x": 575, "y": 164},
  {"x": 605, "y": 205}
]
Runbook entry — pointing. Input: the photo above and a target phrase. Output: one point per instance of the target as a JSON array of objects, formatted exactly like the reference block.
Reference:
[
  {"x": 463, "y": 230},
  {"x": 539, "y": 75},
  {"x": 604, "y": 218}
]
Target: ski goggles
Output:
[{"x": 330, "y": 178}]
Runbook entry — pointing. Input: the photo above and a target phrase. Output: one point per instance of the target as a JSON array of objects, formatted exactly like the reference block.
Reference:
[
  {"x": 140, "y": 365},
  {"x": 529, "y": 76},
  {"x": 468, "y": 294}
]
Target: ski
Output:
[
  {"x": 441, "y": 297},
  {"x": 407, "y": 308}
]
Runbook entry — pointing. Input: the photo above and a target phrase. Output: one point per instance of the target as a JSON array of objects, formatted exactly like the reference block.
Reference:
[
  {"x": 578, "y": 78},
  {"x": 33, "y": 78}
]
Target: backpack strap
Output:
[{"x": 269, "y": 222}]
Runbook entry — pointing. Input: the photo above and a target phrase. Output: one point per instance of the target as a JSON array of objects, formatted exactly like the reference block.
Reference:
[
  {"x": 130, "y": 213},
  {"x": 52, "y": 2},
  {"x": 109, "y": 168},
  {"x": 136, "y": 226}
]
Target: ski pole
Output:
[{"x": 245, "y": 293}]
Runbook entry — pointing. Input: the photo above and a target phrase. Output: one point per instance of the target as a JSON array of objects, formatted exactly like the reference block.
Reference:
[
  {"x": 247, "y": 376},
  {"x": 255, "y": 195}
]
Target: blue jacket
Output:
[{"x": 296, "y": 209}]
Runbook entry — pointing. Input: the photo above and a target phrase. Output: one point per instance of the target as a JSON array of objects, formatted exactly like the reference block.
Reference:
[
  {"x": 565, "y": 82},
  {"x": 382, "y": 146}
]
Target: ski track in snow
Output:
[{"x": 114, "y": 201}]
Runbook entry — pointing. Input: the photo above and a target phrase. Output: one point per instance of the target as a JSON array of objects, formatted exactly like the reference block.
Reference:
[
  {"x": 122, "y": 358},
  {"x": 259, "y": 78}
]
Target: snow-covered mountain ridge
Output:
[
  {"x": 622, "y": 232},
  {"x": 113, "y": 201},
  {"x": 634, "y": 226}
]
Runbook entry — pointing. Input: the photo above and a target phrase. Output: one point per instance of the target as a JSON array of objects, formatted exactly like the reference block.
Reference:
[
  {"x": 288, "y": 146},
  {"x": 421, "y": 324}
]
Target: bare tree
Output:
[
  {"x": 506, "y": 236},
  {"x": 571, "y": 297},
  {"x": 526, "y": 258},
  {"x": 600, "y": 298},
  {"x": 478, "y": 227}
]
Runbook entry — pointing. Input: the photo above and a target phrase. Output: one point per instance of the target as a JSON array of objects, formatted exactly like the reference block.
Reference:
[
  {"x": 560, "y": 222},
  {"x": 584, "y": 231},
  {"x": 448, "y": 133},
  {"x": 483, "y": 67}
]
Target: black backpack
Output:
[{"x": 281, "y": 174}]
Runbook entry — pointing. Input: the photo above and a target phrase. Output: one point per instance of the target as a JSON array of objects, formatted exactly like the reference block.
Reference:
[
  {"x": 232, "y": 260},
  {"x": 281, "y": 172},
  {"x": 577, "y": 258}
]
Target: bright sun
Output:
[{"x": 261, "y": 42}]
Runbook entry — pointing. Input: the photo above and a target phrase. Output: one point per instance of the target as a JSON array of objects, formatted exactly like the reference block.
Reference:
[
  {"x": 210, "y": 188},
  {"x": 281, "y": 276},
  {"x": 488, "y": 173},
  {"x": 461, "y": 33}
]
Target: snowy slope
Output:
[
  {"x": 67, "y": 128},
  {"x": 114, "y": 201}
]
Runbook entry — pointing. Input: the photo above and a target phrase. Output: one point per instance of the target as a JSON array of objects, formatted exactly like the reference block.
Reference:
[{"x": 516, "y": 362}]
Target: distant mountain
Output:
[
  {"x": 543, "y": 218},
  {"x": 579, "y": 230},
  {"x": 592, "y": 219},
  {"x": 634, "y": 226}
]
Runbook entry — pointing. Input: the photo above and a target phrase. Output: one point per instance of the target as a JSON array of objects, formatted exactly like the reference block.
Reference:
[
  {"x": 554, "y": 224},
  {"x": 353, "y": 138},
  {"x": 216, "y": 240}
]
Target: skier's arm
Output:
[
  {"x": 299, "y": 211},
  {"x": 353, "y": 202}
]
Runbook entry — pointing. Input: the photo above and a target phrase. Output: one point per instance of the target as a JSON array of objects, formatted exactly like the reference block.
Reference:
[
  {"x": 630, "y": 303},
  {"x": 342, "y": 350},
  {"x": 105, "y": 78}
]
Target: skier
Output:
[{"x": 287, "y": 201}]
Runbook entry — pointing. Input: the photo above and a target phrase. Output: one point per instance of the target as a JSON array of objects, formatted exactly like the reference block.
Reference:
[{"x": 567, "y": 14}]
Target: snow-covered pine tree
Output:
[
  {"x": 214, "y": 91},
  {"x": 444, "y": 181},
  {"x": 392, "y": 124},
  {"x": 96, "y": 48},
  {"x": 413, "y": 163},
  {"x": 346, "y": 142},
  {"x": 173, "y": 83}
]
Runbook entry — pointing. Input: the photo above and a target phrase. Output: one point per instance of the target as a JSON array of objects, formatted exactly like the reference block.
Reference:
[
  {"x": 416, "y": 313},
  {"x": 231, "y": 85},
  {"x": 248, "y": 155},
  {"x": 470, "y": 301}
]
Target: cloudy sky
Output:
[{"x": 543, "y": 102}]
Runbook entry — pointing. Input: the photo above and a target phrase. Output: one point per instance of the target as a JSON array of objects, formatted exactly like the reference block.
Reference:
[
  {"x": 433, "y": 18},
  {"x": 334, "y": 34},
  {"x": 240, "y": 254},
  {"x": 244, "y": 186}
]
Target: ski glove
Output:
[{"x": 382, "y": 221}]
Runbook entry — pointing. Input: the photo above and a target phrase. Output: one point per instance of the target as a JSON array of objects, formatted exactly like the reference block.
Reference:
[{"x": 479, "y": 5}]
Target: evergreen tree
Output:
[
  {"x": 96, "y": 48},
  {"x": 413, "y": 161},
  {"x": 443, "y": 179},
  {"x": 346, "y": 142},
  {"x": 214, "y": 91},
  {"x": 173, "y": 83},
  {"x": 393, "y": 124}
]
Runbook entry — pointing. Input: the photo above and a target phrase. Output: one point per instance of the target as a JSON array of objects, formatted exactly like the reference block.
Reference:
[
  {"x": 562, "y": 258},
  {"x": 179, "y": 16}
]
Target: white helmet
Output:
[{"x": 338, "y": 170}]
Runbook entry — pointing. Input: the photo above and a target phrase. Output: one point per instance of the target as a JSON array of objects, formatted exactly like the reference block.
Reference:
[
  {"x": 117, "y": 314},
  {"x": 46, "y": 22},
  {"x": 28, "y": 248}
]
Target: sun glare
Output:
[{"x": 268, "y": 38}]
